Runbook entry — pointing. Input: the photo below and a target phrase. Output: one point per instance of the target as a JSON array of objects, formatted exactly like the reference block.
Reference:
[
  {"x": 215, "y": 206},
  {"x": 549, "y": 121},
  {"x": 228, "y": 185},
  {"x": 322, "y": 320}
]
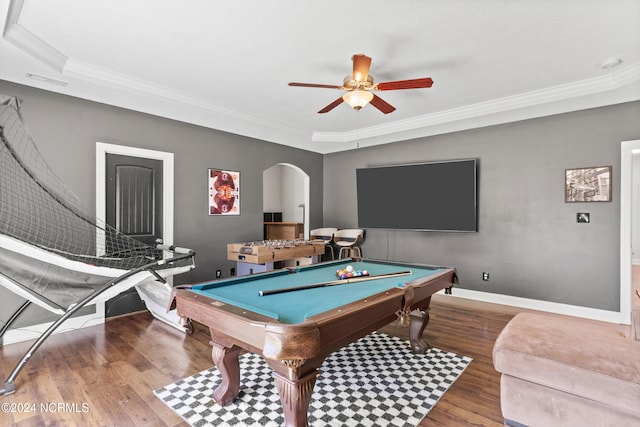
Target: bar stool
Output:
[
  {"x": 348, "y": 240},
  {"x": 326, "y": 235}
]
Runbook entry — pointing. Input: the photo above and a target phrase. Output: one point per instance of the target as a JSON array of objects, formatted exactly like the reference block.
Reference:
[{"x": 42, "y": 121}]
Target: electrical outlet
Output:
[
  {"x": 485, "y": 276},
  {"x": 218, "y": 274}
]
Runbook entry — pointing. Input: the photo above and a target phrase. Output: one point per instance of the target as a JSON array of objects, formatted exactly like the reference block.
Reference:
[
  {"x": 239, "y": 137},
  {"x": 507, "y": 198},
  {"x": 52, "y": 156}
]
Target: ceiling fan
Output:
[{"x": 359, "y": 86}]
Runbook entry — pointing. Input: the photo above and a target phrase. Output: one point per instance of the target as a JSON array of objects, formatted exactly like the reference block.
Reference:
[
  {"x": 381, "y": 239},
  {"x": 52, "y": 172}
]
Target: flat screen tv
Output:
[{"x": 426, "y": 196}]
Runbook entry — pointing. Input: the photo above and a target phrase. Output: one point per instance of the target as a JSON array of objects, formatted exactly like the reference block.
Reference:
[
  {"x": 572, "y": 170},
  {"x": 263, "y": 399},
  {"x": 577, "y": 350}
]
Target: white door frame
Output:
[
  {"x": 102, "y": 149},
  {"x": 626, "y": 199}
]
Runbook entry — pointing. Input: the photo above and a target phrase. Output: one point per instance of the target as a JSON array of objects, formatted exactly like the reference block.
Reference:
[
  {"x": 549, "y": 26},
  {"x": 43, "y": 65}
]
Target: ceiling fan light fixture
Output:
[{"x": 357, "y": 98}]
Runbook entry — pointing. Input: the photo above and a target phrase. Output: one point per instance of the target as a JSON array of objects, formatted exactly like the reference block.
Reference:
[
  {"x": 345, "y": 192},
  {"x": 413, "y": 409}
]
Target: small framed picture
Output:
[
  {"x": 588, "y": 184},
  {"x": 224, "y": 192}
]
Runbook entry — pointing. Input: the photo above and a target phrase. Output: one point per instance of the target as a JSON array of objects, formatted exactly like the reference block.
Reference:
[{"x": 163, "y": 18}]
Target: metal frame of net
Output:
[{"x": 39, "y": 211}]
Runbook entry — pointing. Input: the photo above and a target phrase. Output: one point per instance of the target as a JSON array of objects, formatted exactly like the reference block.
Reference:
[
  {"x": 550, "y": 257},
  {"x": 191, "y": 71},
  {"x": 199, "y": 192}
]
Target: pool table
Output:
[{"x": 295, "y": 331}]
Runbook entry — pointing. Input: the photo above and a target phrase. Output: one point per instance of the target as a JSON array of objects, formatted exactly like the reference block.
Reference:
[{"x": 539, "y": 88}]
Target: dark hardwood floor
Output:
[{"x": 105, "y": 375}]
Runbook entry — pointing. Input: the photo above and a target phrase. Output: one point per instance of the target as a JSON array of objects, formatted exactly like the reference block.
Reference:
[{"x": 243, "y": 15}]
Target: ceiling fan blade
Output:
[
  {"x": 361, "y": 64},
  {"x": 314, "y": 85},
  {"x": 331, "y": 106},
  {"x": 406, "y": 84},
  {"x": 382, "y": 105}
]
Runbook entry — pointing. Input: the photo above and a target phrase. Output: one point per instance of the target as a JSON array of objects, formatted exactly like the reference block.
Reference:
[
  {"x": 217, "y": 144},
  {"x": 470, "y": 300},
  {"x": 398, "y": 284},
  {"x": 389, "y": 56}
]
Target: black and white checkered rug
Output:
[{"x": 375, "y": 381}]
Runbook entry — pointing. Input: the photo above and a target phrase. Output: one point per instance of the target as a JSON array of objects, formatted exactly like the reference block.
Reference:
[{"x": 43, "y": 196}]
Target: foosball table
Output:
[{"x": 261, "y": 256}]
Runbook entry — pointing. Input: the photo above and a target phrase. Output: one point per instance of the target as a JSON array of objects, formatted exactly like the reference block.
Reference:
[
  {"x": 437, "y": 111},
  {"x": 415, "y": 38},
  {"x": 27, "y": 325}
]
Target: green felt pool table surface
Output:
[
  {"x": 295, "y": 331},
  {"x": 296, "y": 307}
]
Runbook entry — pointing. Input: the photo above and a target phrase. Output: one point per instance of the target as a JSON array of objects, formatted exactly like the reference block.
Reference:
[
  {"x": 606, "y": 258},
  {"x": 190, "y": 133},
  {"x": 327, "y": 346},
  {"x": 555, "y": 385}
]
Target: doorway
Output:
[
  {"x": 286, "y": 189},
  {"x": 143, "y": 161},
  {"x": 627, "y": 211},
  {"x": 134, "y": 208},
  {"x": 134, "y": 197}
]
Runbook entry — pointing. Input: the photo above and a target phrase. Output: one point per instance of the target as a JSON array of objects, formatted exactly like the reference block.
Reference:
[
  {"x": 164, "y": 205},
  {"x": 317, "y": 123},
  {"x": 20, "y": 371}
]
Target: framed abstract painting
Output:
[{"x": 224, "y": 192}]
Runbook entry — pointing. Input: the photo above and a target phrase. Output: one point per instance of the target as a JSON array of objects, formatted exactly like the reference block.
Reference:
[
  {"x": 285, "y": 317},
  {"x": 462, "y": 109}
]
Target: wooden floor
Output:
[{"x": 105, "y": 375}]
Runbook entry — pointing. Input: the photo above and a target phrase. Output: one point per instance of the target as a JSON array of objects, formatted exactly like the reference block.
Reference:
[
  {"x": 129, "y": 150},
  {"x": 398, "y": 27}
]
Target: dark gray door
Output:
[
  {"x": 134, "y": 196},
  {"x": 134, "y": 207}
]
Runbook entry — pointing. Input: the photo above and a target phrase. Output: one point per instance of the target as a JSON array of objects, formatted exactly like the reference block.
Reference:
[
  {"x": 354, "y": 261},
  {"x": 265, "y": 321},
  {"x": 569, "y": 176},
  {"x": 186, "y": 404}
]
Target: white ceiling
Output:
[{"x": 226, "y": 64}]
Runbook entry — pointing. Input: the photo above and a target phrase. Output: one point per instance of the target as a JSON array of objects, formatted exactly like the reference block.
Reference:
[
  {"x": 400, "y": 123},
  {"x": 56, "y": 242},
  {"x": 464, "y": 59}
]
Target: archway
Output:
[{"x": 286, "y": 189}]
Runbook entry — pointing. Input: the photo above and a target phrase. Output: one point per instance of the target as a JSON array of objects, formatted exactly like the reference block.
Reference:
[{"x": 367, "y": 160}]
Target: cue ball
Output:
[{"x": 349, "y": 269}]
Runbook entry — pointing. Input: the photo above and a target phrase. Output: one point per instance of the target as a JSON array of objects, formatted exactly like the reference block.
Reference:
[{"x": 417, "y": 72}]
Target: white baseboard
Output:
[{"x": 551, "y": 307}]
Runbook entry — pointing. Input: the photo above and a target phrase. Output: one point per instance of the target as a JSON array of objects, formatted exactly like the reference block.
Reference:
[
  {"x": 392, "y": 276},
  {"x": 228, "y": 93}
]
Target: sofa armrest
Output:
[{"x": 568, "y": 355}]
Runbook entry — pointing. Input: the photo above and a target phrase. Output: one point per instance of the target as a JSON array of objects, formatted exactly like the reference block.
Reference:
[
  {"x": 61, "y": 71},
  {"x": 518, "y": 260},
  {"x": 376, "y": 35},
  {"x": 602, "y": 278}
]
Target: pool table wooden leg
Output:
[
  {"x": 295, "y": 396},
  {"x": 419, "y": 321},
  {"x": 226, "y": 360}
]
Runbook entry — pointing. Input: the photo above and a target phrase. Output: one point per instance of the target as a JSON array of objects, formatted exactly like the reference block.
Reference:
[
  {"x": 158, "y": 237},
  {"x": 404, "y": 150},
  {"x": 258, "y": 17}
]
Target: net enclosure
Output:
[{"x": 54, "y": 254}]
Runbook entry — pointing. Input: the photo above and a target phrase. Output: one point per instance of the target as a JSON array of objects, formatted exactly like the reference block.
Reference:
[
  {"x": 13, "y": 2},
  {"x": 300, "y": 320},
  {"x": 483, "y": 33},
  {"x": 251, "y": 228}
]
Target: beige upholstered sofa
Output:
[{"x": 562, "y": 371}]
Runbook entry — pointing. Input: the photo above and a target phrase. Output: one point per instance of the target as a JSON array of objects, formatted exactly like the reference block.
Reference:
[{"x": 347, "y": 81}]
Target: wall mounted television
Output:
[{"x": 437, "y": 196}]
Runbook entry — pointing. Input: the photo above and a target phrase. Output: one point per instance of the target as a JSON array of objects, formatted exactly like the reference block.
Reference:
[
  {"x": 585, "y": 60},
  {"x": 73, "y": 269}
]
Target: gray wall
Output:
[
  {"x": 528, "y": 238},
  {"x": 65, "y": 130}
]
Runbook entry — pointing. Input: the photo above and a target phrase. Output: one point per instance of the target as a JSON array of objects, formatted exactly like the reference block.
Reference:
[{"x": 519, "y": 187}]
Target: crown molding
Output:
[
  {"x": 179, "y": 106},
  {"x": 28, "y": 42}
]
